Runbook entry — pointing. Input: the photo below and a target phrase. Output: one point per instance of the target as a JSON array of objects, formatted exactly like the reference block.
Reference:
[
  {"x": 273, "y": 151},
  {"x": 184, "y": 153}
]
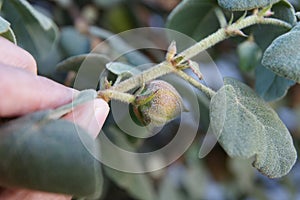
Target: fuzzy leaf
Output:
[
  {"x": 191, "y": 16},
  {"x": 283, "y": 55},
  {"x": 240, "y": 5},
  {"x": 6, "y": 31},
  {"x": 270, "y": 86},
  {"x": 35, "y": 32},
  {"x": 49, "y": 155},
  {"x": 248, "y": 127},
  {"x": 83, "y": 97}
]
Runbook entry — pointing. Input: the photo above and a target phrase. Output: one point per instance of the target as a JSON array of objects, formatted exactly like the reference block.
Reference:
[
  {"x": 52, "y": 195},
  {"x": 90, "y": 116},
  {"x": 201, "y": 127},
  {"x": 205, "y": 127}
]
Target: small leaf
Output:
[
  {"x": 49, "y": 155},
  {"x": 248, "y": 127},
  {"x": 119, "y": 68},
  {"x": 35, "y": 32},
  {"x": 194, "y": 18},
  {"x": 240, "y": 5},
  {"x": 249, "y": 55},
  {"x": 6, "y": 31},
  {"x": 283, "y": 55},
  {"x": 270, "y": 86},
  {"x": 83, "y": 97}
]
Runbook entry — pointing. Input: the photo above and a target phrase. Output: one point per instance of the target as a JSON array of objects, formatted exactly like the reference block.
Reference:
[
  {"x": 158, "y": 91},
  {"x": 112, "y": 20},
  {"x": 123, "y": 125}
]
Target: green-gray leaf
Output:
[
  {"x": 35, "y": 32},
  {"x": 248, "y": 127},
  {"x": 240, "y": 5},
  {"x": 49, "y": 155},
  {"x": 264, "y": 34},
  {"x": 194, "y": 18},
  {"x": 121, "y": 46},
  {"x": 283, "y": 55},
  {"x": 74, "y": 63},
  {"x": 270, "y": 86},
  {"x": 6, "y": 31},
  {"x": 83, "y": 97}
]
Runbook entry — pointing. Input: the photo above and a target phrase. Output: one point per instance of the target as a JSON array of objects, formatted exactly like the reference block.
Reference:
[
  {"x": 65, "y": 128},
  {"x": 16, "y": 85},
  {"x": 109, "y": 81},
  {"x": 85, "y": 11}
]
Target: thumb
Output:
[{"x": 90, "y": 116}]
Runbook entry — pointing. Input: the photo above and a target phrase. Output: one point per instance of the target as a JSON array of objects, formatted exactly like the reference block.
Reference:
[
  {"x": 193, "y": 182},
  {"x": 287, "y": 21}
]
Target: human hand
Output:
[{"x": 23, "y": 92}]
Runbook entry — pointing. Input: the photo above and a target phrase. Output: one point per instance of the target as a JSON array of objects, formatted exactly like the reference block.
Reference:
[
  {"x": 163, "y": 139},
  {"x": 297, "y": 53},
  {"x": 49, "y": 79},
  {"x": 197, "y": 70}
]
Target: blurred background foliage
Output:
[{"x": 79, "y": 25}]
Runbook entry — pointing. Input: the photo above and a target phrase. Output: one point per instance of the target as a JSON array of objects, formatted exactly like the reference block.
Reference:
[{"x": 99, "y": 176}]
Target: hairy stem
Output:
[
  {"x": 109, "y": 94},
  {"x": 206, "y": 90},
  {"x": 166, "y": 67},
  {"x": 222, "y": 34}
]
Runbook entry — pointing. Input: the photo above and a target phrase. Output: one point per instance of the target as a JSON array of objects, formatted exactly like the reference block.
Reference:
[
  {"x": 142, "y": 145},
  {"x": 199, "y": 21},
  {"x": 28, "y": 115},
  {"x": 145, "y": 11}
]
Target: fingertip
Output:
[{"x": 90, "y": 116}]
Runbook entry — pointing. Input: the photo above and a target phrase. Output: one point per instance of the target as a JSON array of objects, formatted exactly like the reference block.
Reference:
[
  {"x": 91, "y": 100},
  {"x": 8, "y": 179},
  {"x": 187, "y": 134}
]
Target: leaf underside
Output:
[{"x": 247, "y": 127}]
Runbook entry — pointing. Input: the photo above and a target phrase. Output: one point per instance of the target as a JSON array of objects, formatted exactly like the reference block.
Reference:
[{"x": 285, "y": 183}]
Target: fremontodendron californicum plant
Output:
[{"x": 246, "y": 126}]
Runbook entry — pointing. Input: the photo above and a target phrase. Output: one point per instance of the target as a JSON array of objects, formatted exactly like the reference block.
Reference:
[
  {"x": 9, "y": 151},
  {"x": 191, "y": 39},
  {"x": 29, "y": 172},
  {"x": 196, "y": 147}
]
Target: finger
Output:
[
  {"x": 15, "y": 56},
  {"x": 90, "y": 116},
  {"x": 16, "y": 194},
  {"x": 22, "y": 92}
]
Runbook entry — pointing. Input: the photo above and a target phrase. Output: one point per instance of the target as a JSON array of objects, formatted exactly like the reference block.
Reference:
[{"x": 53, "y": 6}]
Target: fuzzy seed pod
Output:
[{"x": 158, "y": 103}]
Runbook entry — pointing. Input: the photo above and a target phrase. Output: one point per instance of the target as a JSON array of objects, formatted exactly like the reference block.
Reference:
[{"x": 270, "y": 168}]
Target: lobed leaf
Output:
[
  {"x": 50, "y": 155},
  {"x": 283, "y": 56},
  {"x": 240, "y": 5},
  {"x": 247, "y": 127}
]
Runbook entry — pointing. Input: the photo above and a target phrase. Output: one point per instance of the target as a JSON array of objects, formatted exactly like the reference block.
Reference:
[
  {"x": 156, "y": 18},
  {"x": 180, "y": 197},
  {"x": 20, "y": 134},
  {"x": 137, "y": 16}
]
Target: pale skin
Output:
[{"x": 22, "y": 91}]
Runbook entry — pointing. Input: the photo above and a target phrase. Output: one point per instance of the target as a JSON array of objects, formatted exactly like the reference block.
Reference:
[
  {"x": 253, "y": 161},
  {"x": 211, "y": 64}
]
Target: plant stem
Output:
[
  {"x": 148, "y": 75},
  {"x": 222, "y": 34},
  {"x": 166, "y": 67},
  {"x": 109, "y": 94},
  {"x": 206, "y": 90}
]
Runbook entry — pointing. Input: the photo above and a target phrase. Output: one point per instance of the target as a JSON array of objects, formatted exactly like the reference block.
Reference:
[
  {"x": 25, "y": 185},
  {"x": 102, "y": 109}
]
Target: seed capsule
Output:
[{"x": 158, "y": 103}]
